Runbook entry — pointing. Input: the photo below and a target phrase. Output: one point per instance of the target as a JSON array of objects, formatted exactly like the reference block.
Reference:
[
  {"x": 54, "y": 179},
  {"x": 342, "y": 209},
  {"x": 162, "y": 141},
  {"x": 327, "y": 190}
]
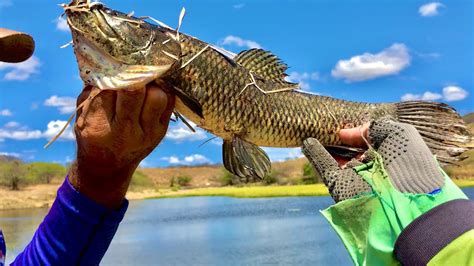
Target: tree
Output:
[
  {"x": 14, "y": 174},
  {"x": 45, "y": 172},
  {"x": 310, "y": 176}
]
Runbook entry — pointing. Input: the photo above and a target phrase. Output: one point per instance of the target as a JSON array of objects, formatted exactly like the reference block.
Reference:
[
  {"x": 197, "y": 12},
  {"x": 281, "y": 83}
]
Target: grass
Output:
[
  {"x": 252, "y": 191},
  {"x": 266, "y": 191},
  {"x": 464, "y": 182},
  {"x": 140, "y": 181}
]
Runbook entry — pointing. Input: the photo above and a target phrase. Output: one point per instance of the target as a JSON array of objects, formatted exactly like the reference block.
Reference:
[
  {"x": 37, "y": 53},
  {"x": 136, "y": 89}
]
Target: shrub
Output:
[
  {"x": 140, "y": 181},
  {"x": 12, "y": 174},
  {"x": 227, "y": 179},
  {"x": 271, "y": 178},
  {"x": 174, "y": 184},
  {"x": 310, "y": 176},
  {"x": 41, "y": 172},
  {"x": 183, "y": 180}
]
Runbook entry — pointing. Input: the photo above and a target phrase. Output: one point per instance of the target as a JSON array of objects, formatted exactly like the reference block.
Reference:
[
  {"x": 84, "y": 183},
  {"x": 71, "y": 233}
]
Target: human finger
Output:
[
  {"x": 128, "y": 106},
  {"x": 103, "y": 105},
  {"x": 320, "y": 158},
  {"x": 355, "y": 137},
  {"x": 155, "y": 103}
]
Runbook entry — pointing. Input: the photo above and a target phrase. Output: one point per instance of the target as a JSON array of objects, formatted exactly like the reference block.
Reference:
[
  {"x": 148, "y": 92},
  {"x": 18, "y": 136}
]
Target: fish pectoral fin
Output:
[
  {"x": 265, "y": 65},
  {"x": 343, "y": 151},
  {"x": 245, "y": 160},
  {"x": 189, "y": 101}
]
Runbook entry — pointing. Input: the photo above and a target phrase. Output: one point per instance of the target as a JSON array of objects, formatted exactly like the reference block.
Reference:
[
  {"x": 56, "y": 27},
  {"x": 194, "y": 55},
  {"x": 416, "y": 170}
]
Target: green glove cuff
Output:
[{"x": 370, "y": 224}]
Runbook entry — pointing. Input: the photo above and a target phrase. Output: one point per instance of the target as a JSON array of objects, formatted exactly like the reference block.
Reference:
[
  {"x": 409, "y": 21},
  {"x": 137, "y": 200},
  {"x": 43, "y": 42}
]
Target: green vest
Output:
[{"x": 369, "y": 225}]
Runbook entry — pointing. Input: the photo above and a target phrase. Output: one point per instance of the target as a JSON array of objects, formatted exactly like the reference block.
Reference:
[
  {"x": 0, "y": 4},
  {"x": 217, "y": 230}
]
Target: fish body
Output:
[
  {"x": 281, "y": 119},
  {"x": 244, "y": 99}
]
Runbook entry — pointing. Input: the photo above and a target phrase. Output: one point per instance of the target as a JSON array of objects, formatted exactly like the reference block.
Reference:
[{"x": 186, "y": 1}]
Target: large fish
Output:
[{"x": 241, "y": 98}]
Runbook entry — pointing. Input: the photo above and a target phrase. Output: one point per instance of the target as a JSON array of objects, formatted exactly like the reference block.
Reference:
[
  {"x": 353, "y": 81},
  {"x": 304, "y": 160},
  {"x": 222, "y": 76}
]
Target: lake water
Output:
[{"x": 210, "y": 230}]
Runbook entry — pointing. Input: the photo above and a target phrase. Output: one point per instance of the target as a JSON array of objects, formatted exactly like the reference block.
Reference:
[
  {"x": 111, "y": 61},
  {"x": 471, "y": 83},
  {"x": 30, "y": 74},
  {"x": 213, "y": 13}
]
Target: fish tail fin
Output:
[{"x": 441, "y": 127}]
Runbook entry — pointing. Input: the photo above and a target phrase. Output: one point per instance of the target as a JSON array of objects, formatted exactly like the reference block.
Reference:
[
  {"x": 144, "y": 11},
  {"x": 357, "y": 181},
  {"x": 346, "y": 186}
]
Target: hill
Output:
[
  {"x": 465, "y": 170},
  {"x": 210, "y": 175},
  {"x": 469, "y": 118},
  {"x": 8, "y": 158}
]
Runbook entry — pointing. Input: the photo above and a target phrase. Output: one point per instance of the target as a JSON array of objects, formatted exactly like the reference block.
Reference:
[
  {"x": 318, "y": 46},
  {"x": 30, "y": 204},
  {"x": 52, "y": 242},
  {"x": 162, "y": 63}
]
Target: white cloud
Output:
[
  {"x": 12, "y": 124},
  {"x": 234, "y": 40},
  {"x": 303, "y": 79},
  {"x": 61, "y": 24},
  {"x": 55, "y": 126},
  {"x": 20, "y": 134},
  {"x": 52, "y": 129},
  {"x": 180, "y": 132},
  {"x": 6, "y": 112},
  {"x": 450, "y": 94},
  {"x": 65, "y": 105},
  {"x": 454, "y": 93},
  {"x": 194, "y": 159},
  {"x": 430, "y": 9},
  {"x": 283, "y": 154},
  {"x": 427, "y": 96},
  {"x": 21, "y": 71},
  {"x": 12, "y": 154},
  {"x": 239, "y": 6},
  {"x": 389, "y": 61}
]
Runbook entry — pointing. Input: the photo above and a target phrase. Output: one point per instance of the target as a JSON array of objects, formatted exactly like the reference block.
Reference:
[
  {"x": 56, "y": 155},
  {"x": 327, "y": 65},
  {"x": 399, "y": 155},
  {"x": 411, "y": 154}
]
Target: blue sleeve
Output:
[{"x": 76, "y": 231}]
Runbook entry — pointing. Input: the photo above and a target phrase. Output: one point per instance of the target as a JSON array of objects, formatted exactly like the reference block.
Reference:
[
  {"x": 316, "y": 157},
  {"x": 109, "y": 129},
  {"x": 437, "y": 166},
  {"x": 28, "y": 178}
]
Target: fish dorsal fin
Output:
[{"x": 264, "y": 64}]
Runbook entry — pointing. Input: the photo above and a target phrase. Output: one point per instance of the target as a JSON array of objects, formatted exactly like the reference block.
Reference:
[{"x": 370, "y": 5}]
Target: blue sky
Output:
[{"x": 370, "y": 51}]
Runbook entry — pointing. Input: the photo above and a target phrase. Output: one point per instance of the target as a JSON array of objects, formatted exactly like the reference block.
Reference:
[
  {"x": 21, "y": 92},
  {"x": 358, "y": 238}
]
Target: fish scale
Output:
[{"x": 275, "y": 120}]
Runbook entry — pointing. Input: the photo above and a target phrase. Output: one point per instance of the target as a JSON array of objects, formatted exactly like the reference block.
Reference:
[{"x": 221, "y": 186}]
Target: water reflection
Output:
[
  {"x": 209, "y": 230},
  {"x": 218, "y": 230},
  {"x": 18, "y": 227}
]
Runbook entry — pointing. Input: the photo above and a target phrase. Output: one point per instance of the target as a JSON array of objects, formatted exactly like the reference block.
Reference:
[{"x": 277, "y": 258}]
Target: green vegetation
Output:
[
  {"x": 41, "y": 172},
  {"x": 181, "y": 181},
  {"x": 140, "y": 181},
  {"x": 14, "y": 174},
  {"x": 266, "y": 191},
  {"x": 227, "y": 178},
  {"x": 272, "y": 178},
  {"x": 252, "y": 191},
  {"x": 310, "y": 176}
]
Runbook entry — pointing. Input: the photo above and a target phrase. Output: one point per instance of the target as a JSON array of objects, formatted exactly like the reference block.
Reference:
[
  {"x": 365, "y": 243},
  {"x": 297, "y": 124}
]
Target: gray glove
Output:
[{"x": 407, "y": 159}]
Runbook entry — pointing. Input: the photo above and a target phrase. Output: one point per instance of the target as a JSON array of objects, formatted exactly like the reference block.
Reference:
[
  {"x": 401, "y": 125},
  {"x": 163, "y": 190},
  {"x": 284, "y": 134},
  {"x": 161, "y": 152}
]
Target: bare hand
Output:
[
  {"x": 353, "y": 137},
  {"x": 114, "y": 133}
]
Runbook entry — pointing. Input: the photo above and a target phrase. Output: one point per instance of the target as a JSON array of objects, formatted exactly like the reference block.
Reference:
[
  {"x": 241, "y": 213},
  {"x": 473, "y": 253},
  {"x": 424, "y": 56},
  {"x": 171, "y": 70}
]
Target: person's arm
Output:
[{"x": 114, "y": 133}]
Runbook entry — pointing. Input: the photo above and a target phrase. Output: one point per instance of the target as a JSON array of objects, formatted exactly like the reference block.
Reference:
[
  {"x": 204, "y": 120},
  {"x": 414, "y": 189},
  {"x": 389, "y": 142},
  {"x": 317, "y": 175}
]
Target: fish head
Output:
[{"x": 115, "y": 50}]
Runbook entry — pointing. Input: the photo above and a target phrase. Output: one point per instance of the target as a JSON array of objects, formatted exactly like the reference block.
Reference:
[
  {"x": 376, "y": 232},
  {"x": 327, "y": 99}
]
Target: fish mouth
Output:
[{"x": 113, "y": 50}]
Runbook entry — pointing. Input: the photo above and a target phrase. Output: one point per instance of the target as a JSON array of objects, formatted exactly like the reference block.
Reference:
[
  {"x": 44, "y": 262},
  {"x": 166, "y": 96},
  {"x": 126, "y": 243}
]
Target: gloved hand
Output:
[{"x": 406, "y": 158}]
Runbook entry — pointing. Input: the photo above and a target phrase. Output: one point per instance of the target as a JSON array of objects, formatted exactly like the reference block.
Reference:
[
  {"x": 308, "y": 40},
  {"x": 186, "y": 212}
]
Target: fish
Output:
[{"x": 243, "y": 98}]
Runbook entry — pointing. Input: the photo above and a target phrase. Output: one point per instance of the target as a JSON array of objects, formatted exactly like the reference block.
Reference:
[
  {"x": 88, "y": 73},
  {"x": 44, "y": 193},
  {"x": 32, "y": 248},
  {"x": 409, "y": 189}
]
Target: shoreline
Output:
[{"x": 42, "y": 196}]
